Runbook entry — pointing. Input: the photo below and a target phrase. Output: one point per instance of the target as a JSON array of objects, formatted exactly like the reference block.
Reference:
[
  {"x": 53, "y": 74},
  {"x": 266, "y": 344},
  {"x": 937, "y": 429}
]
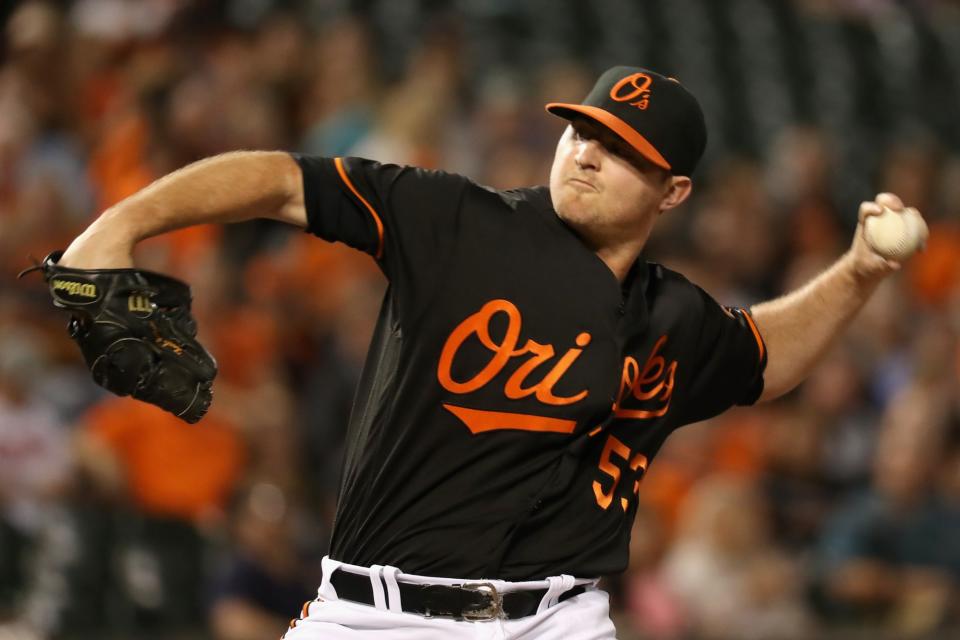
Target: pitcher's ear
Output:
[{"x": 677, "y": 192}]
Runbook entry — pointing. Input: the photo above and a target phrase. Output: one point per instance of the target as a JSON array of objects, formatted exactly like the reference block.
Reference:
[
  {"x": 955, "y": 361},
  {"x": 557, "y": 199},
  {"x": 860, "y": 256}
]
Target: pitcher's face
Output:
[{"x": 600, "y": 184}]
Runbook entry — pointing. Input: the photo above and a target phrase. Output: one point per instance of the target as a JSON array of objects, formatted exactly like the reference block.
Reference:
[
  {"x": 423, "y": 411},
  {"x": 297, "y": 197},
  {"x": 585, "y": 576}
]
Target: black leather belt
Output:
[{"x": 468, "y": 601}]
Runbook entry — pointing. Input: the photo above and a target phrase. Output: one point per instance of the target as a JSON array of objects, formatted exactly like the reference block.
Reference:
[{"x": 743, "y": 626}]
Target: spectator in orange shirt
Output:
[
  {"x": 174, "y": 480},
  {"x": 165, "y": 468}
]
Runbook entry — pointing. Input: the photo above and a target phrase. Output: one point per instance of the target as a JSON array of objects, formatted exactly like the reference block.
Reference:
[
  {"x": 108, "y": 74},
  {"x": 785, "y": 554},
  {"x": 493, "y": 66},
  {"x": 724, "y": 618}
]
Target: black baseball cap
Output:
[{"x": 654, "y": 114}]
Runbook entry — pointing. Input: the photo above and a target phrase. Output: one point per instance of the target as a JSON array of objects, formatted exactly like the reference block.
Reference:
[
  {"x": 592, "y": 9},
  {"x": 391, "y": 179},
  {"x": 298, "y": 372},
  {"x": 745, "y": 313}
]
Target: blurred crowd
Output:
[{"x": 833, "y": 512}]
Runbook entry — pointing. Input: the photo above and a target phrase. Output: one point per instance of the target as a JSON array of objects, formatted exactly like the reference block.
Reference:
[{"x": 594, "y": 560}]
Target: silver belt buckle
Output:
[{"x": 494, "y": 611}]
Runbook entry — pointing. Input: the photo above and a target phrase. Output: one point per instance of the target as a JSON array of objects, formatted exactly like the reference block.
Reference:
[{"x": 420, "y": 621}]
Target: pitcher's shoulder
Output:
[{"x": 669, "y": 288}]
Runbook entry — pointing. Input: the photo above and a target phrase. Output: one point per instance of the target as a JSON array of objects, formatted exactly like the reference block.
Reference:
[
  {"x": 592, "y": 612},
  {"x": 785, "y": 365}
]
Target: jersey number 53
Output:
[{"x": 616, "y": 460}]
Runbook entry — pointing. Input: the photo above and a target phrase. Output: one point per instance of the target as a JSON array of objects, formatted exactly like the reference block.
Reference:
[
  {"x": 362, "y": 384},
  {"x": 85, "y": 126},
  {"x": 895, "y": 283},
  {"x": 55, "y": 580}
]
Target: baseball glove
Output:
[{"x": 136, "y": 334}]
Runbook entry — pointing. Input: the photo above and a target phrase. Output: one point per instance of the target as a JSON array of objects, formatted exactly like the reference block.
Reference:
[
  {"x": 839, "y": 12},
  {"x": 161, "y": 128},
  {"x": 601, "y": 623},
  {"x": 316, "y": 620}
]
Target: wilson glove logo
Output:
[
  {"x": 140, "y": 306},
  {"x": 74, "y": 291}
]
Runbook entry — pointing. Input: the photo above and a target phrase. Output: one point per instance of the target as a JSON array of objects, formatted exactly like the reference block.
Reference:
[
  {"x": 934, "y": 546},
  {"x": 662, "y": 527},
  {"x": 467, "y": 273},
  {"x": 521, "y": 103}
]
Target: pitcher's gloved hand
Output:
[{"x": 136, "y": 334}]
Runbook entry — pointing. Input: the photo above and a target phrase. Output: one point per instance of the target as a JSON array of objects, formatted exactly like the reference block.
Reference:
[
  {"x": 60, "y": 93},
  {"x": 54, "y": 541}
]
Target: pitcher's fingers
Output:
[
  {"x": 869, "y": 208},
  {"x": 889, "y": 200}
]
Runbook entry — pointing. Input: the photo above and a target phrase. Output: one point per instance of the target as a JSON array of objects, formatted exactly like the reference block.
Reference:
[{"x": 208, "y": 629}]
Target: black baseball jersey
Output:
[{"x": 515, "y": 391}]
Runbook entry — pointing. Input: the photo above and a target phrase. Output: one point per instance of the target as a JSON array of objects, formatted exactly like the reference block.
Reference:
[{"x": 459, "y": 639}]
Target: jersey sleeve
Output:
[
  {"x": 405, "y": 217},
  {"x": 728, "y": 363}
]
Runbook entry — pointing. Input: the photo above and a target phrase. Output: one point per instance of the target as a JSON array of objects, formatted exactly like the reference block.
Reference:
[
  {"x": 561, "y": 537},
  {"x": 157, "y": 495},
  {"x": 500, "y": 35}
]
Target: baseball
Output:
[{"x": 896, "y": 235}]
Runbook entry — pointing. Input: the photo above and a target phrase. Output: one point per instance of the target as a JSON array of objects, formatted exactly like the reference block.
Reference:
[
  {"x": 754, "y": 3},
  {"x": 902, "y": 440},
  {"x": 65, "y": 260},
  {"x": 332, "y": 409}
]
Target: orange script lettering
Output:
[
  {"x": 533, "y": 353},
  {"x": 654, "y": 382}
]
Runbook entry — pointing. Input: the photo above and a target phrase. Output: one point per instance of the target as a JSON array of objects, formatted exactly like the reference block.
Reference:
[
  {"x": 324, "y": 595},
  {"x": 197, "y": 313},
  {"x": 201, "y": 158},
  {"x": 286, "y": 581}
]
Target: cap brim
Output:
[{"x": 615, "y": 124}]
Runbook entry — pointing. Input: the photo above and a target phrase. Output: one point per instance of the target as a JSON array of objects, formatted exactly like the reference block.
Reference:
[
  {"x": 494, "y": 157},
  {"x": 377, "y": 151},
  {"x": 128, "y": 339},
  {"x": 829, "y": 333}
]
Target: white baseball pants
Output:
[{"x": 582, "y": 617}]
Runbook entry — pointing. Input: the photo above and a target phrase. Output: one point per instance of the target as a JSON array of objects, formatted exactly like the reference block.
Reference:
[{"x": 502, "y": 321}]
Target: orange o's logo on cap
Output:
[{"x": 638, "y": 85}]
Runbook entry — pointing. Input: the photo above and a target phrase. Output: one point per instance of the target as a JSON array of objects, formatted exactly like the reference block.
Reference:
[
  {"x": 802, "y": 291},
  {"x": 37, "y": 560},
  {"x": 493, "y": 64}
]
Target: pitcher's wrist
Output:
[{"x": 99, "y": 247}]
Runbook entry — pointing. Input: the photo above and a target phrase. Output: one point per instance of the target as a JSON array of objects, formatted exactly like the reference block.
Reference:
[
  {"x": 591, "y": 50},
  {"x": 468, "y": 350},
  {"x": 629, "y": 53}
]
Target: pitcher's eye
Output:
[{"x": 583, "y": 131}]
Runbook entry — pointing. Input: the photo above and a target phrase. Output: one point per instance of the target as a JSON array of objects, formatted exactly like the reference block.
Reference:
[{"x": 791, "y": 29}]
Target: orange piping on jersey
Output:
[
  {"x": 346, "y": 180},
  {"x": 303, "y": 614},
  {"x": 479, "y": 421},
  {"x": 756, "y": 333},
  {"x": 595, "y": 431}
]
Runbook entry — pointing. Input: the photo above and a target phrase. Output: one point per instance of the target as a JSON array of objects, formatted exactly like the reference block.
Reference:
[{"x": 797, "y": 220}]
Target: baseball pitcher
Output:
[{"x": 527, "y": 365}]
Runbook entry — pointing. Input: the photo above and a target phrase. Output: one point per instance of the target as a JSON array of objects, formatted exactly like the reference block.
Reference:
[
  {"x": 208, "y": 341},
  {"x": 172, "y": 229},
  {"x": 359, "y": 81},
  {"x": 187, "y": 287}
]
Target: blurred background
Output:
[{"x": 832, "y": 513}]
